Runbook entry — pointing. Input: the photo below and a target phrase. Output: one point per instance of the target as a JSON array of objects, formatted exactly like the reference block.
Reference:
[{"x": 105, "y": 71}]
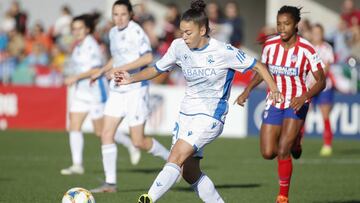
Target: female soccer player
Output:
[
  {"x": 289, "y": 58},
  {"x": 324, "y": 100},
  {"x": 87, "y": 99},
  {"x": 131, "y": 51},
  {"x": 208, "y": 66}
]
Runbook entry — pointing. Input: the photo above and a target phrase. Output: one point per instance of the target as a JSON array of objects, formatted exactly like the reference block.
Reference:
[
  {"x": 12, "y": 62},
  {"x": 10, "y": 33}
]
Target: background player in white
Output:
[
  {"x": 131, "y": 51},
  {"x": 208, "y": 66},
  {"x": 87, "y": 99}
]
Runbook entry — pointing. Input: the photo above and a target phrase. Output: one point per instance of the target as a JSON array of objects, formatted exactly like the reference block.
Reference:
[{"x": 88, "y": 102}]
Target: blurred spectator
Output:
[
  {"x": 23, "y": 74},
  {"x": 171, "y": 28},
  {"x": 220, "y": 29},
  {"x": 265, "y": 33},
  {"x": 148, "y": 25},
  {"x": 58, "y": 59},
  {"x": 340, "y": 38},
  {"x": 19, "y": 16},
  {"x": 350, "y": 14},
  {"x": 305, "y": 28},
  {"x": 233, "y": 18},
  {"x": 62, "y": 23},
  {"x": 38, "y": 36},
  {"x": 355, "y": 42},
  {"x": 16, "y": 45},
  {"x": 8, "y": 22},
  {"x": 37, "y": 56}
]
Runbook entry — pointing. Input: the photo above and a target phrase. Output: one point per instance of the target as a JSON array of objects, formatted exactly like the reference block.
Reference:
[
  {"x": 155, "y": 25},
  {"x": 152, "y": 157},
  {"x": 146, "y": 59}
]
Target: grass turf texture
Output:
[{"x": 30, "y": 163}]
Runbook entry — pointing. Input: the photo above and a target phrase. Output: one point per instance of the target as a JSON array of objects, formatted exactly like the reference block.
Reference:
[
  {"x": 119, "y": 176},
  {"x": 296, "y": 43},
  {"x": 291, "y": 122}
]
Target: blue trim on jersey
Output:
[
  {"x": 251, "y": 66},
  {"x": 148, "y": 51},
  {"x": 144, "y": 82},
  {"x": 158, "y": 69},
  {"x": 121, "y": 29},
  {"x": 102, "y": 90},
  {"x": 200, "y": 49},
  {"x": 195, "y": 148},
  {"x": 203, "y": 114},
  {"x": 222, "y": 105}
]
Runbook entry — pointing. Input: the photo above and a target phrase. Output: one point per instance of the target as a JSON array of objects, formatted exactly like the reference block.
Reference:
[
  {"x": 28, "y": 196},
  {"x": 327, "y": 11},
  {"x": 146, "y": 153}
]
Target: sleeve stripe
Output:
[
  {"x": 158, "y": 69},
  {"x": 251, "y": 66}
]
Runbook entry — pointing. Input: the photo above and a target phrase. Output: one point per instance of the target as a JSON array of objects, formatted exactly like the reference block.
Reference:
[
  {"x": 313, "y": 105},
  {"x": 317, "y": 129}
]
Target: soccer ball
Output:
[{"x": 78, "y": 195}]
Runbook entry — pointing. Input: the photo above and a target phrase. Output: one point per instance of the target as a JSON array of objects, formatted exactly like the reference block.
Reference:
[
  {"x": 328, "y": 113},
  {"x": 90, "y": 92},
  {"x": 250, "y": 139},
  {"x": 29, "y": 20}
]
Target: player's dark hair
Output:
[
  {"x": 197, "y": 14},
  {"x": 125, "y": 3},
  {"x": 89, "y": 21},
  {"x": 295, "y": 13}
]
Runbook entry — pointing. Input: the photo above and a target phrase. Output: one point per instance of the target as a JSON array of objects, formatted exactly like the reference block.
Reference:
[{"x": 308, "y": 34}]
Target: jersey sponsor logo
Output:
[
  {"x": 283, "y": 70},
  {"x": 199, "y": 72}
]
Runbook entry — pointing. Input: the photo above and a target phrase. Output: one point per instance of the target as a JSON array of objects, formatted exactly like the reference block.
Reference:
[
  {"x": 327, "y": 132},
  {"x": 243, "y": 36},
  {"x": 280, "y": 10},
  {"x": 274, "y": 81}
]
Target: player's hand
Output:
[
  {"x": 122, "y": 78},
  {"x": 96, "y": 75},
  {"x": 70, "y": 80},
  {"x": 242, "y": 98},
  {"x": 297, "y": 102},
  {"x": 276, "y": 96}
]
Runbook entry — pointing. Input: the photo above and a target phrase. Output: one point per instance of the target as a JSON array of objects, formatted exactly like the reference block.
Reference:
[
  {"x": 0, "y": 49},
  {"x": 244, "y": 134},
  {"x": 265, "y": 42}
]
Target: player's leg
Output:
[
  {"x": 270, "y": 132},
  {"x": 326, "y": 149},
  {"x": 171, "y": 171},
  {"x": 76, "y": 140},
  {"x": 199, "y": 181},
  {"x": 137, "y": 114},
  {"x": 151, "y": 145},
  {"x": 290, "y": 130},
  {"x": 109, "y": 154},
  {"x": 123, "y": 139}
]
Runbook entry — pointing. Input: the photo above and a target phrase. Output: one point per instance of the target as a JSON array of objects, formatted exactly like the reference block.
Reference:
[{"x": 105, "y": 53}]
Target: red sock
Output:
[
  {"x": 328, "y": 135},
  {"x": 284, "y": 172}
]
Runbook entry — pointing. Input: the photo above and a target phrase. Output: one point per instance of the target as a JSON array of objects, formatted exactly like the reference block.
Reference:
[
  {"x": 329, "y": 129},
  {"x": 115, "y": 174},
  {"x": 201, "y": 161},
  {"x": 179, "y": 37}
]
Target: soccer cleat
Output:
[
  {"x": 73, "y": 170},
  {"x": 135, "y": 155},
  {"x": 296, "y": 149},
  {"x": 326, "y": 151},
  {"x": 105, "y": 188},
  {"x": 144, "y": 198},
  {"x": 282, "y": 199}
]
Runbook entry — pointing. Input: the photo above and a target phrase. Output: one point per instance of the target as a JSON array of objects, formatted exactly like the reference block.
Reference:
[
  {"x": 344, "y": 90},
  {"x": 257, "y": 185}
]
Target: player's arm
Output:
[
  {"x": 297, "y": 102},
  {"x": 99, "y": 72},
  {"x": 142, "y": 61},
  {"x": 124, "y": 78},
  {"x": 266, "y": 76},
  {"x": 74, "y": 78}
]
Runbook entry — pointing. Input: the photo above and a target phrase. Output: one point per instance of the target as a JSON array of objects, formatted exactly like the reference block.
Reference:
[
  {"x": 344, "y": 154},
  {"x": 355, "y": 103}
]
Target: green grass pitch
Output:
[{"x": 30, "y": 163}]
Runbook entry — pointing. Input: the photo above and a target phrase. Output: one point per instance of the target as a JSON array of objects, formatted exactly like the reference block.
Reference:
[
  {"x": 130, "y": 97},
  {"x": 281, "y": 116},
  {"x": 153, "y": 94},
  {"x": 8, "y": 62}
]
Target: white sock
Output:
[
  {"x": 159, "y": 150},
  {"x": 122, "y": 138},
  {"x": 205, "y": 189},
  {"x": 76, "y": 146},
  {"x": 164, "y": 181},
  {"x": 109, "y": 154}
]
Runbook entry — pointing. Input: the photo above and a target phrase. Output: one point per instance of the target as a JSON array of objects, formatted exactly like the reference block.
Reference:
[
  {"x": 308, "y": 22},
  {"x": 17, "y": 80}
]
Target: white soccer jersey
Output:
[
  {"x": 85, "y": 56},
  {"x": 209, "y": 72},
  {"x": 127, "y": 45}
]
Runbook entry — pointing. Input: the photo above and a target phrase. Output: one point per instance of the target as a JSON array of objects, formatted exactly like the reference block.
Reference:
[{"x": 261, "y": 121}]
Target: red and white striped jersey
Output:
[{"x": 290, "y": 67}]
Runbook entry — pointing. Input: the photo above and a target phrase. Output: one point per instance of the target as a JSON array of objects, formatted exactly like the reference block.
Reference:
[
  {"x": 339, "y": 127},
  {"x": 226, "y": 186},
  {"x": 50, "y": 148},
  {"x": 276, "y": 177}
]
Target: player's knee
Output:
[
  {"x": 283, "y": 152},
  {"x": 140, "y": 144},
  {"x": 268, "y": 154},
  {"x": 107, "y": 137}
]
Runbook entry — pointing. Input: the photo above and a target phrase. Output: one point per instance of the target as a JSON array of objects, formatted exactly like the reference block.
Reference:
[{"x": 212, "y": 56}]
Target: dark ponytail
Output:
[
  {"x": 197, "y": 14},
  {"x": 89, "y": 20}
]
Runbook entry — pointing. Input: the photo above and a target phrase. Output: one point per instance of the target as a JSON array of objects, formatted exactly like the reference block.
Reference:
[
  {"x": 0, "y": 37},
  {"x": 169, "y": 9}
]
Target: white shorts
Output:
[
  {"x": 198, "y": 131},
  {"x": 95, "y": 109},
  {"x": 134, "y": 105}
]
